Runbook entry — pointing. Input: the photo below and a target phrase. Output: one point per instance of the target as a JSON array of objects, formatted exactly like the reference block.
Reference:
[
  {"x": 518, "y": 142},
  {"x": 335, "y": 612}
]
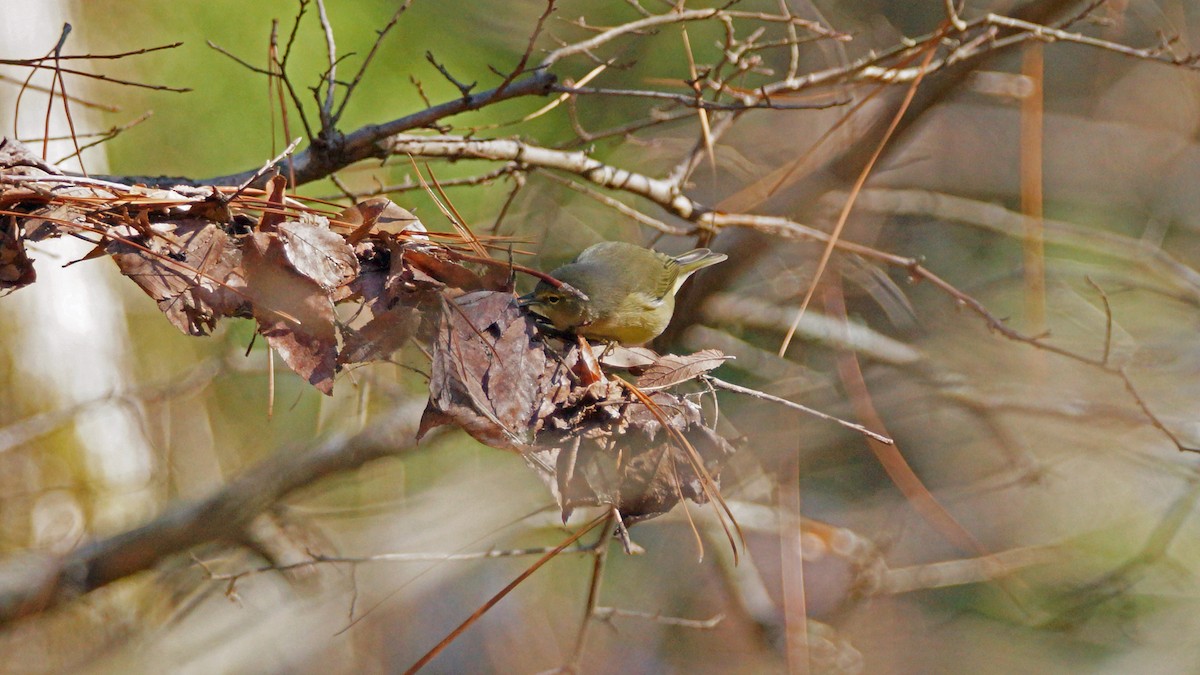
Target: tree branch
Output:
[
  {"x": 317, "y": 162},
  {"x": 34, "y": 583}
]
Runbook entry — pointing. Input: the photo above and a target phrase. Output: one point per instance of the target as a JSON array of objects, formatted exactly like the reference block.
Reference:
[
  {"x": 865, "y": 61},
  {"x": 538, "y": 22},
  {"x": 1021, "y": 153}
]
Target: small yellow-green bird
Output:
[{"x": 630, "y": 291}]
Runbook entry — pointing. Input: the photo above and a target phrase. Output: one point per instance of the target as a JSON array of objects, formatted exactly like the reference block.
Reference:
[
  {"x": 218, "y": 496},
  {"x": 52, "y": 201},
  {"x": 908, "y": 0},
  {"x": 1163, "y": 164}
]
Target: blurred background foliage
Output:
[{"x": 1024, "y": 448}]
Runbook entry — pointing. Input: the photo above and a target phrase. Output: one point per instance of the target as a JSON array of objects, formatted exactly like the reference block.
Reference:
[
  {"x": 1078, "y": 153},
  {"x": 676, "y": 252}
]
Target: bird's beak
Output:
[{"x": 526, "y": 300}]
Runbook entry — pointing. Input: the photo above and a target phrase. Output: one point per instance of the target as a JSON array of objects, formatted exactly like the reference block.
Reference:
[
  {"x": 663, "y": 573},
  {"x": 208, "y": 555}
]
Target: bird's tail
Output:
[{"x": 698, "y": 258}]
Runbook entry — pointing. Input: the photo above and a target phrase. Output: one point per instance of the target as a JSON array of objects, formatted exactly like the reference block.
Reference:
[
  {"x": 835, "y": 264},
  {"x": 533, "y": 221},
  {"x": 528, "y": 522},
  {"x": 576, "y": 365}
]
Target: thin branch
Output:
[
  {"x": 1108, "y": 320},
  {"x": 691, "y": 101},
  {"x": 267, "y": 167},
  {"x": 237, "y": 59},
  {"x": 317, "y": 163},
  {"x": 533, "y": 36},
  {"x": 754, "y": 393},
  {"x": 673, "y": 17},
  {"x": 1157, "y": 423},
  {"x": 410, "y": 185},
  {"x": 572, "y": 162},
  {"x": 234, "y": 578},
  {"x": 1050, "y": 34},
  {"x": 105, "y": 136},
  {"x": 599, "y": 559},
  {"x": 362, "y": 69},
  {"x": 610, "y": 613},
  {"x": 465, "y": 89},
  {"x": 326, "y": 104},
  {"x": 99, "y": 77},
  {"x": 91, "y": 57},
  {"x": 437, "y": 649},
  {"x": 952, "y": 16},
  {"x": 287, "y": 50}
]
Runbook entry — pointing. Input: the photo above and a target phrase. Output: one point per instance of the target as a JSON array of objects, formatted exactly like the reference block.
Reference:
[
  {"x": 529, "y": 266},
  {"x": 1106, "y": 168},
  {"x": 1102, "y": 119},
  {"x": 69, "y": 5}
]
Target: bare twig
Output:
[
  {"x": 362, "y": 69},
  {"x": 101, "y": 78},
  {"x": 1051, "y": 34},
  {"x": 234, "y": 578},
  {"x": 315, "y": 163},
  {"x": 326, "y": 103},
  {"x": 610, "y": 613},
  {"x": 1157, "y": 423},
  {"x": 1108, "y": 320},
  {"x": 690, "y": 100},
  {"x": 620, "y": 207},
  {"x": 437, "y": 649},
  {"x": 538, "y": 26},
  {"x": 729, "y": 386},
  {"x": 266, "y": 168},
  {"x": 952, "y": 16},
  {"x": 410, "y": 185},
  {"x": 465, "y": 89},
  {"x": 105, "y": 136},
  {"x": 91, "y": 57},
  {"x": 599, "y": 558}
]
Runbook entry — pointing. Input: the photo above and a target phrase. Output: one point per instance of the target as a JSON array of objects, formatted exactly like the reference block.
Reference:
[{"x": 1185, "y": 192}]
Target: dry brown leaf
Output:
[
  {"x": 16, "y": 157},
  {"x": 611, "y": 452},
  {"x": 191, "y": 268},
  {"x": 63, "y": 214},
  {"x": 379, "y": 338},
  {"x": 487, "y": 371},
  {"x": 672, "y": 369},
  {"x": 380, "y": 215},
  {"x": 16, "y": 269},
  {"x": 294, "y": 313},
  {"x": 317, "y": 252},
  {"x": 626, "y": 358}
]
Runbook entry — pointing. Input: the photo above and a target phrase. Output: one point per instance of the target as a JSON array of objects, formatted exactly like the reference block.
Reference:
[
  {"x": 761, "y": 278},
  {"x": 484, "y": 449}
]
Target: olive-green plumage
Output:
[{"x": 630, "y": 291}]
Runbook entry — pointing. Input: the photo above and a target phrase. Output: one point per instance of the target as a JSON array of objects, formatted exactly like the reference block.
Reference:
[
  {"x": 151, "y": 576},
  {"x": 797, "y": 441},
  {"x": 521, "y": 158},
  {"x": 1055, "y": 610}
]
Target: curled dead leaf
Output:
[
  {"x": 672, "y": 369},
  {"x": 191, "y": 268},
  {"x": 590, "y": 440},
  {"x": 294, "y": 313},
  {"x": 317, "y": 252},
  {"x": 380, "y": 215},
  {"x": 488, "y": 371}
]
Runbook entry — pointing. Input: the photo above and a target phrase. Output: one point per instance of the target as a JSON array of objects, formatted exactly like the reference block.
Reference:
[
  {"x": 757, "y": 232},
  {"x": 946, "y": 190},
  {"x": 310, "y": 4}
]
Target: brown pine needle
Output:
[
  {"x": 724, "y": 513},
  {"x": 460, "y": 223},
  {"x": 836, "y": 235},
  {"x": 455, "y": 220},
  {"x": 705, "y": 129}
]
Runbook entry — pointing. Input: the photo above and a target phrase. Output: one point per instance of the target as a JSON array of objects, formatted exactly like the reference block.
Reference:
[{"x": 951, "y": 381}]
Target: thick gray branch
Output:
[{"x": 33, "y": 583}]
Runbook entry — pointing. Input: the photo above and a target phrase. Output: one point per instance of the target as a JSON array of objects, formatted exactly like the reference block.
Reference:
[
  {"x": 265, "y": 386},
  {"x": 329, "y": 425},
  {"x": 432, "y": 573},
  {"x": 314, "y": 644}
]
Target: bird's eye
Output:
[{"x": 552, "y": 300}]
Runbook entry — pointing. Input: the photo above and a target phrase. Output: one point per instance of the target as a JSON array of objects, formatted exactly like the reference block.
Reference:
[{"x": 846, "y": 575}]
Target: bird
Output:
[{"x": 618, "y": 292}]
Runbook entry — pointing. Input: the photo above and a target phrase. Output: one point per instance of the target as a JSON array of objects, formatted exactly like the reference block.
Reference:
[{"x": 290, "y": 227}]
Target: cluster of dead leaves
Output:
[
  {"x": 588, "y": 434},
  {"x": 330, "y": 292},
  {"x": 202, "y": 256}
]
